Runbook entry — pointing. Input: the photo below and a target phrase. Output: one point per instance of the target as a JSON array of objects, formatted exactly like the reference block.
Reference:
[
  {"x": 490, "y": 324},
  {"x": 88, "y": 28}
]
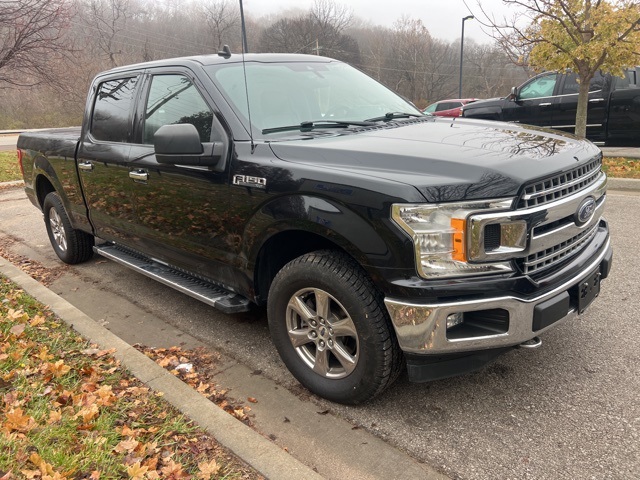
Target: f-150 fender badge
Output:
[{"x": 248, "y": 181}]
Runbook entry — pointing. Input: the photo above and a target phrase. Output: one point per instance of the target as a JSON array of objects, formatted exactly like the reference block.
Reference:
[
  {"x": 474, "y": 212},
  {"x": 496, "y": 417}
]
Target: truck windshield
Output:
[{"x": 290, "y": 94}]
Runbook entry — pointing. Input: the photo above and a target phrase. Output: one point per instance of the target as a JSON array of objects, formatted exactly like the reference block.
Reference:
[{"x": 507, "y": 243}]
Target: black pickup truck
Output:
[
  {"x": 375, "y": 236},
  {"x": 551, "y": 100}
]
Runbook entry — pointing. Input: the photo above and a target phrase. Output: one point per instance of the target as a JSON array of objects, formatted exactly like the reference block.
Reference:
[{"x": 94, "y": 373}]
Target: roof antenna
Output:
[
  {"x": 245, "y": 49},
  {"x": 225, "y": 52}
]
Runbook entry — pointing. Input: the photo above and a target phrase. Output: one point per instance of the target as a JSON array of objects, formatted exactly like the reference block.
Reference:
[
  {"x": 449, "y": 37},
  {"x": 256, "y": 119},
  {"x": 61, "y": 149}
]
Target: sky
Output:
[{"x": 443, "y": 18}]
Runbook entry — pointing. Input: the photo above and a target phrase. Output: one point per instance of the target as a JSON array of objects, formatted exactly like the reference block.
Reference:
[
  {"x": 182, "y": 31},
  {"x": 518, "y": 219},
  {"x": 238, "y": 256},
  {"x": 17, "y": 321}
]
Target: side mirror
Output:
[
  {"x": 514, "y": 94},
  {"x": 180, "y": 145}
]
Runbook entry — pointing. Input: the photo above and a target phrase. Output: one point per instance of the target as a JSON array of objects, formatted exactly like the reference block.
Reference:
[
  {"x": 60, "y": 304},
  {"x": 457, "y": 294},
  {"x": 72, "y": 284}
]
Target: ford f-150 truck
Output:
[
  {"x": 376, "y": 237},
  {"x": 551, "y": 100}
]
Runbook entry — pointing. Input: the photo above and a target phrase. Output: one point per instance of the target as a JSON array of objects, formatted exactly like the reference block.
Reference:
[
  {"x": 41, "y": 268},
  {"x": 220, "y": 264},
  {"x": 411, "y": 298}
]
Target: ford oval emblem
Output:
[{"x": 585, "y": 211}]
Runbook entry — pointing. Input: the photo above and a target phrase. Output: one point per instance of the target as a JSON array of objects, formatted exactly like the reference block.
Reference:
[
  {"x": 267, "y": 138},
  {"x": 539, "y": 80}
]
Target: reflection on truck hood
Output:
[{"x": 445, "y": 159}]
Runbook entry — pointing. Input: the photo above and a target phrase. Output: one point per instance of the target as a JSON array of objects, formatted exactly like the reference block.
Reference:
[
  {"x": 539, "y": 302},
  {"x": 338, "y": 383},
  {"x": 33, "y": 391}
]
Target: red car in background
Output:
[{"x": 448, "y": 108}]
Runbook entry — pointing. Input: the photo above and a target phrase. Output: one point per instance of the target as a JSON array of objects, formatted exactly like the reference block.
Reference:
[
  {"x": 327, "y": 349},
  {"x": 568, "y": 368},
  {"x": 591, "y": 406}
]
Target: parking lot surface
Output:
[{"x": 566, "y": 410}]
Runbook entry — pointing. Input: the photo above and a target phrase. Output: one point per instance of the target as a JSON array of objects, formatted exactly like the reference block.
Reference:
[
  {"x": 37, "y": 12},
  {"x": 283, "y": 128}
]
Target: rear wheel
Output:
[
  {"x": 71, "y": 245},
  {"x": 331, "y": 329}
]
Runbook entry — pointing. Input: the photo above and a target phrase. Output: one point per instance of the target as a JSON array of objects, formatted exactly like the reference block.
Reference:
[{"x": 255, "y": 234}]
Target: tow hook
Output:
[{"x": 535, "y": 342}]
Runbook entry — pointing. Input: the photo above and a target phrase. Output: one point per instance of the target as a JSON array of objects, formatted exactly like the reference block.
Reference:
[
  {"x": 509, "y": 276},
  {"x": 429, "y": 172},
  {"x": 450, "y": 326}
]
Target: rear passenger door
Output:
[
  {"x": 103, "y": 157},
  {"x": 564, "y": 115},
  {"x": 183, "y": 210}
]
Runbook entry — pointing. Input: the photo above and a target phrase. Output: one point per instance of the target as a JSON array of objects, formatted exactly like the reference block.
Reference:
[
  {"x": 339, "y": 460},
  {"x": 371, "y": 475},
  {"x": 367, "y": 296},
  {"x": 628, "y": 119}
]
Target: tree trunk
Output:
[{"x": 581, "y": 113}]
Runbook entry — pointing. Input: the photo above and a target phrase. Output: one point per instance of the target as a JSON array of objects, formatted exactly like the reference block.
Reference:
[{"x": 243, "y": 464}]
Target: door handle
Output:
[
  {"x": 596, "y": 100},
  {"x": 139, "y": 175},
  {"x": 86, "y": 166},
  {"x": 545, "y": 105}
]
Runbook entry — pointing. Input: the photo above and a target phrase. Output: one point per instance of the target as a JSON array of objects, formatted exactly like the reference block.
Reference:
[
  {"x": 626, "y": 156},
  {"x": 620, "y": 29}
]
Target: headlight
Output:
[{"x": 440, "y": 236}]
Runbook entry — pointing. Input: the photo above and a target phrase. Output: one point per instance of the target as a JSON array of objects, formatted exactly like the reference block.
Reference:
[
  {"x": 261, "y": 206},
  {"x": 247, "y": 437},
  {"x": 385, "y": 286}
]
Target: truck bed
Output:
[{"x": 51, "y": 140}]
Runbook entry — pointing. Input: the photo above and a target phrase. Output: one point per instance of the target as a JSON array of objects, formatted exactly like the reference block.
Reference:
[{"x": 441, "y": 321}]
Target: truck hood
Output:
[{"x": 445, "y": 159}]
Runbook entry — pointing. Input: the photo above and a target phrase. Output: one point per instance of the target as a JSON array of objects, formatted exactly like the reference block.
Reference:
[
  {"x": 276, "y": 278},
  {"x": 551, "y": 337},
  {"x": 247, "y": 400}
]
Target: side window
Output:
[
  {"x": 540, "y": 87},
  {"x": 570, "y": 84},
  {"x": 448, "y": 106},
  {"x": 597, "y": 82},
  {"x": 431, "y": 108},
  {"x": 174, "y": 99},
  {"x": 112, "y": 110}
]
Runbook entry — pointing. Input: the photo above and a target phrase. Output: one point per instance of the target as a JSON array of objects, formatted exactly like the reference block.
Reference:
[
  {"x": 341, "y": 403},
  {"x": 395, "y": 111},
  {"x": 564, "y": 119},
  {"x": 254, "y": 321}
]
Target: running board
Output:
[{"x": 223, "y": 300}]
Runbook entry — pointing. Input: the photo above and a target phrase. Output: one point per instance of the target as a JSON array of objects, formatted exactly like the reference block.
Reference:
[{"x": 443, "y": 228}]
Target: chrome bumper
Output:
[{"x": 422, "y": 328}]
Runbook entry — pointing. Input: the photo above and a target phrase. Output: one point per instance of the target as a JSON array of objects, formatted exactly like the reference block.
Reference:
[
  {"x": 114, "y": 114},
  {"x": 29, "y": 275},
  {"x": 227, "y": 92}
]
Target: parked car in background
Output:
[
  {"x": 551, "y": 100},
  {"x": 448, "y": 108}
]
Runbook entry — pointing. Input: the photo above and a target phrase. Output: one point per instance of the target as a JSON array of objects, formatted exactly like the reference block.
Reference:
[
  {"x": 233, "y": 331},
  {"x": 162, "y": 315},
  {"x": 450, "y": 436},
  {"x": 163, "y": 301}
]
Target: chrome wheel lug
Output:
[
  {"x": 330, "y": 343},
  {"x": 322, "y": 343},
  {"x": 314, "y": 334}
]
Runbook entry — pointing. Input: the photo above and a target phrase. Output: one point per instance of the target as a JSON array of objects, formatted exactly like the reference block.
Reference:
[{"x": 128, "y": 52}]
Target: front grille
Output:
[
  {"x": 540, "y": 261},
  {"x": 560, "y": 185}
]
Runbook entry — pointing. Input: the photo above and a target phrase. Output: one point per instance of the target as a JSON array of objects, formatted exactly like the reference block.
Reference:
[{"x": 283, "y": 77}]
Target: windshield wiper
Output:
[
  {"x": 310, "y": 125},
  {"x": 392, "y": 116}
]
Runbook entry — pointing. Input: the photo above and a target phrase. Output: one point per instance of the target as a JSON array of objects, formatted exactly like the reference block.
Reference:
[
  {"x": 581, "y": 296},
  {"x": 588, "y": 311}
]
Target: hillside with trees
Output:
[{"x": 50, "y": 49}]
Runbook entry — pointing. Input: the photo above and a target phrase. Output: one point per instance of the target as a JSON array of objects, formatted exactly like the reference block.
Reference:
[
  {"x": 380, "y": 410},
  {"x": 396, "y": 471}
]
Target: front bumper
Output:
[{"x": 493, "y": 323}]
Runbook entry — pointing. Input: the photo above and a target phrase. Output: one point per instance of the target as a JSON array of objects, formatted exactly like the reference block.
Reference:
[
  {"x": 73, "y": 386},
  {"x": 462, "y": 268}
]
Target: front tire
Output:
[
  {"x": 331, "y": 328},
  {"x": 72, "y": 246}
]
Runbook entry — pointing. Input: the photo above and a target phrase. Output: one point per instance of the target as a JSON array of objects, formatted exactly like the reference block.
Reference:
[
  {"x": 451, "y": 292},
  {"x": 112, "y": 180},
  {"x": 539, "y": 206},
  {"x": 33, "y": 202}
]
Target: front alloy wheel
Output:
[
  {"x": 322, "y": 333},
  {"x": 331, "y": 329}
]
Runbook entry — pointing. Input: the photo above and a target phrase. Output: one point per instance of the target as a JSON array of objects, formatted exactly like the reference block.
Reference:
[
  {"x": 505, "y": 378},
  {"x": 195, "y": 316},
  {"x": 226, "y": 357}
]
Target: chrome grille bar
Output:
[
  {"x": 561, "y": 185},
  {"x": 539, "y": 261}
]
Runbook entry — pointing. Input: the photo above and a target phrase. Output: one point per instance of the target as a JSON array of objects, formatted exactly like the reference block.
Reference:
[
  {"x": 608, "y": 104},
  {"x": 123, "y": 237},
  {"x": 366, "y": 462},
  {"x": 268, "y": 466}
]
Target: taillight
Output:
[{"x": 20, "y": 161}]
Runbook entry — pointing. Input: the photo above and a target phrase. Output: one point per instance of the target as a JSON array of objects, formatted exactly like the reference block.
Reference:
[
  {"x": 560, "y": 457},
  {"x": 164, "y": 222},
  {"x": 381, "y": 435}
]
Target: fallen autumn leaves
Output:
[{"x": 69, "y": 411}]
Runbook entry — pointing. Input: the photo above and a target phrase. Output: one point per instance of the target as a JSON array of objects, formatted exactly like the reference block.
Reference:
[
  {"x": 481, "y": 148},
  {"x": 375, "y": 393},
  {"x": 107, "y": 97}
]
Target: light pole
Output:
[{"x": 468, "y": 17}]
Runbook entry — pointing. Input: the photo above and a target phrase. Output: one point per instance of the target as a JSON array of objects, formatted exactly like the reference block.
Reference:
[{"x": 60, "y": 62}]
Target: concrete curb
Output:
[
  {"x": 261, "y": 454},
  {"x": 626, "y": 184},
  {"x": 16, "y": 183}
]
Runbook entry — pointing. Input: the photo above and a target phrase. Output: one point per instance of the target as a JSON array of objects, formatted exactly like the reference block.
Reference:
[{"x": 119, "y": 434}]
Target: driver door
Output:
[
  {"x": 182, "y": 210},
  {"x": 534, "y": 102}
]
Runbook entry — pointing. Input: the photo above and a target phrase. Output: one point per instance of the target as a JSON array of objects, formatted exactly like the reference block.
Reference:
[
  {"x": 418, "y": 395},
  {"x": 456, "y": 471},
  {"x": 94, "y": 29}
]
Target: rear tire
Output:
[
  {"x": 72, "y": 246},
  {"x": 331, "y": 329}
]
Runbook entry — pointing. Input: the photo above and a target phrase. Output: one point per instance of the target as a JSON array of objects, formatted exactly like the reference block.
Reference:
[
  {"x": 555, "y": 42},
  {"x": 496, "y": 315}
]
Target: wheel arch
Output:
[
  {"x": 43, "y": 187},
  {"x": 272, "y": 256},
  {"x": 284, "y": 239}
]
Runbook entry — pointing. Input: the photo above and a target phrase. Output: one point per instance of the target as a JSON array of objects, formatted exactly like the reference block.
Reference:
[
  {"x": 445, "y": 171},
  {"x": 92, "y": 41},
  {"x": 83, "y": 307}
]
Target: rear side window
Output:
[
  {"x": 447, "y": 106},
  {"x": 174, "y": 99},
  {"x": 571, "y": 85},
  {"x": 112, "y": 110}
]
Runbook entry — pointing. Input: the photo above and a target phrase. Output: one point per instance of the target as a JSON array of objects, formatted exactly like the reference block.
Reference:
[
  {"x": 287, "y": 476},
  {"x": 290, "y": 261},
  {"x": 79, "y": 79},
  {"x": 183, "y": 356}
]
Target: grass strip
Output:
[
  {"x": 69, "y": 410},
  {"x": 9, "y": 168},
  {"x": 621, "y": 167}
]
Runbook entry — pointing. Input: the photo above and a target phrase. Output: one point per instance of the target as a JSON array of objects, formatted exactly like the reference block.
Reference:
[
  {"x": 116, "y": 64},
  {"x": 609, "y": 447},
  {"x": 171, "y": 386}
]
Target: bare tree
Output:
[
  {"x": 223, "y": 19},
  {"x": 108, "y": 18},
  {"x": 331, "y": 17},
  {"x": 489, "y": 72},
  {"x": 33, "y": 41},
  {"x": 314, "y": 32}
]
